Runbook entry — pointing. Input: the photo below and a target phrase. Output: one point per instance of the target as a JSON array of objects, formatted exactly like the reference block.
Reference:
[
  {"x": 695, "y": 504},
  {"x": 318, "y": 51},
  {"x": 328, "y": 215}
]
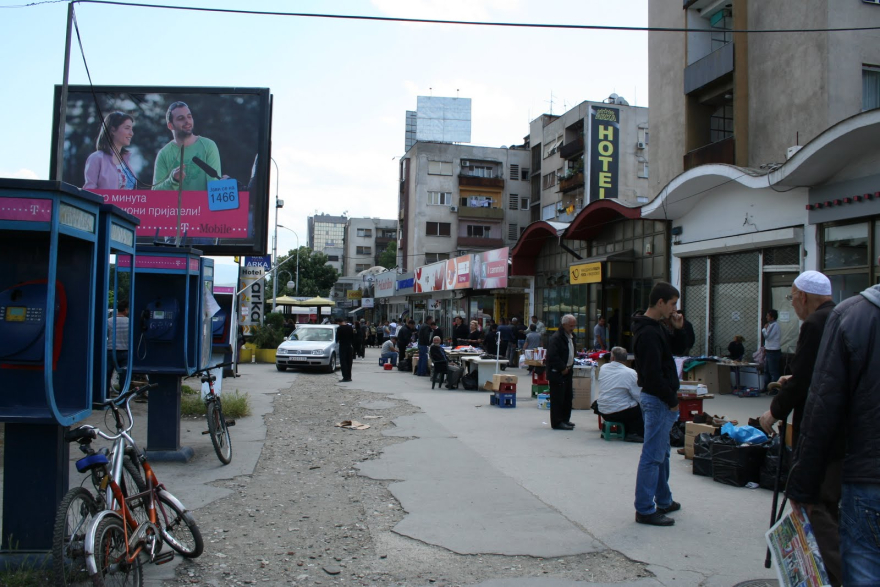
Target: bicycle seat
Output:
[{"x": 90, "y": 462}]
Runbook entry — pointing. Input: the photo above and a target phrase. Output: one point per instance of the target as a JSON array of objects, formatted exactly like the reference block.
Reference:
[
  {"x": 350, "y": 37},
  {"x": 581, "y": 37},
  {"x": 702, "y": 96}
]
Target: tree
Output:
[
  {"x": 316, "y": 278},
  {"x": 388, "y": 257}
]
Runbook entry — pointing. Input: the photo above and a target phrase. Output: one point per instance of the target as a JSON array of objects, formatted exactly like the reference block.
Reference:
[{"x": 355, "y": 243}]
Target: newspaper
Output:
[{"x": 795, "y": 552}]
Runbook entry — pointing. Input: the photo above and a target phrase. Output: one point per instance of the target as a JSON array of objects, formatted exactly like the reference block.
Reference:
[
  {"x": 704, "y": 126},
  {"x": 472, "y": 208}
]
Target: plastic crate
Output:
[
  {"x": 503, "y": 400},
  {"x": 539, "y": 378},
  {"x": 538, "y": 389}
]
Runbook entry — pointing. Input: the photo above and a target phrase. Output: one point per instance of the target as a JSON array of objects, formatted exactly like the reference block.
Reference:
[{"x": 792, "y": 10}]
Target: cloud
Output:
[{"x": 20, "y": 174}]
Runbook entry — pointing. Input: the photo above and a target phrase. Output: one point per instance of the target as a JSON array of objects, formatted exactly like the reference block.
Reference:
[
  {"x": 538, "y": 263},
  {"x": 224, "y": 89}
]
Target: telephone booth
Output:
[
  {"x": 224, "y": 327},
  {"x": 168, "y": 326},
  {"x": 115, "y": 239},
  {"x": 48, "y": 265}
]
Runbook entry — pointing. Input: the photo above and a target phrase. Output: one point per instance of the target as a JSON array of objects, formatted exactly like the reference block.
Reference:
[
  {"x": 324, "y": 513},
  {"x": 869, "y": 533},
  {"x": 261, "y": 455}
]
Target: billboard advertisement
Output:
[
  {"x": 458, "y": 272},
  {"x": 187, "y": 161},
  {"x": 431, "y": 277},
  {"x": 489, "y": 269},
  {"x": 604, "y": 152},
  {"x": 385, "y": 283}
]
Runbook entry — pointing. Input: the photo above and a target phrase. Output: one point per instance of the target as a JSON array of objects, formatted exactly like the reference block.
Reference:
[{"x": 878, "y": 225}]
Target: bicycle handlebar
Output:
[{"x": 206, "y": 369}]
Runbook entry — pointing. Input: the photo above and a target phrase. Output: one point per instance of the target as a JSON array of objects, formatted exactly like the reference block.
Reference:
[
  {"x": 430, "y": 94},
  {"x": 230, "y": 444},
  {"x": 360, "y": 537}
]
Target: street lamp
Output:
[
  {"x": 277, "y": 226},
  {"x": 278, "y": 205}
]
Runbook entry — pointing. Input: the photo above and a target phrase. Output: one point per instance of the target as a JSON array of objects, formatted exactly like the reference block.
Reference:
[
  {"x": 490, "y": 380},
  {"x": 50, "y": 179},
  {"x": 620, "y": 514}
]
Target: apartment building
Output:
[
  {"x": 457, "y": 199},
  {"x": 327, "y": 235},
  {"x": 365, "y": 240}
]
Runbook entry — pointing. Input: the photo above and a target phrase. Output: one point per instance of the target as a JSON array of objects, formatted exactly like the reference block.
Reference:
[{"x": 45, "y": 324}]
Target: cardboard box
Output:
[
  {"x": 581, "y": 393},
  {"x": 714, "y": 376},
  {"x": 533, "y": 363},
  {"x": 501, "y": 378},
  {"x": 691, "y": 431}
]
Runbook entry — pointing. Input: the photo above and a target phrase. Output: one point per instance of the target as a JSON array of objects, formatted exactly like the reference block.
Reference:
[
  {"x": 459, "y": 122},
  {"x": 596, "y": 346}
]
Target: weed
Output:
[{"x": 235, "y": 405}]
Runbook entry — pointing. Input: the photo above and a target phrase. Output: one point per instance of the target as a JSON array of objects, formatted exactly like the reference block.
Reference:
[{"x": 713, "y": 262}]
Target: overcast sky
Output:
[{"x": 341, "y": 88}]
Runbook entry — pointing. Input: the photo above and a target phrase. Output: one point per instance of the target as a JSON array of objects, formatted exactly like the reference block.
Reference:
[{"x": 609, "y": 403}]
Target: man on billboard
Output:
[{"x": 200, "y": 158}]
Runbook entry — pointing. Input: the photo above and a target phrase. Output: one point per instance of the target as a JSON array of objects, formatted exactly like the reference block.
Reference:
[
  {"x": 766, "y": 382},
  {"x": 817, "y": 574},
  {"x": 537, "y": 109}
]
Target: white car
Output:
[{"x": 310, "y": 345}]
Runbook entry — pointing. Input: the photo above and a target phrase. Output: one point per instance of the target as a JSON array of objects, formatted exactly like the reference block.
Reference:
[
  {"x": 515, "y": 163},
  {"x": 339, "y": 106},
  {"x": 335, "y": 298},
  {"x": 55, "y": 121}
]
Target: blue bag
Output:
[{"x": 744, "y": 434}]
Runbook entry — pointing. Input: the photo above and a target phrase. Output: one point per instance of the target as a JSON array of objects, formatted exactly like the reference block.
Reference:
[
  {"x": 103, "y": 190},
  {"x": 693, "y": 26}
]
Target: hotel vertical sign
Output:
[{"x": 604, "y": 152}]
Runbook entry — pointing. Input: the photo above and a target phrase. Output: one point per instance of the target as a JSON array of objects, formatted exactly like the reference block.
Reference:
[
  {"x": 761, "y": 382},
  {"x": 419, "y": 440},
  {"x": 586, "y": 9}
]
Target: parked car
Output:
[{"x": 310, "y": 345}]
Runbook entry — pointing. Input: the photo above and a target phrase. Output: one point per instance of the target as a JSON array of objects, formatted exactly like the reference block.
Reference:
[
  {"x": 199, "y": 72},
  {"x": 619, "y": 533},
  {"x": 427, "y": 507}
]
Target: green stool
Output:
[{"x": 608, "y": 432}]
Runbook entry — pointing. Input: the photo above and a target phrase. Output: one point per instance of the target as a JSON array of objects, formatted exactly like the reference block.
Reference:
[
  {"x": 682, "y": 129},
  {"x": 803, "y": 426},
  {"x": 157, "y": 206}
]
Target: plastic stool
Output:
[{"x": 608, "y": 433}]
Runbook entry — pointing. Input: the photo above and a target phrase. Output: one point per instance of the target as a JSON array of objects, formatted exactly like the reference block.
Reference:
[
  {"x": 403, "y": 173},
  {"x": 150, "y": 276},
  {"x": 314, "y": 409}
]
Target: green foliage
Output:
[
  {"x": 235, "y": 405},
  {"x": 267, "y": 337},
  {"x": 30, "y": 573},
  {"x": 316, "y": 278},
  {"x": 123, "y": 285},
  {"x": 274, "y": 319},
  {"x": 388, "y": 257}
]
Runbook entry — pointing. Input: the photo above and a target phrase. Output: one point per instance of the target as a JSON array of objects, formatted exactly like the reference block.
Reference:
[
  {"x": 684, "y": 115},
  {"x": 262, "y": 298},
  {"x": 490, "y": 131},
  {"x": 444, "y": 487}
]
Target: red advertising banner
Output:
[
  {"x": 458, "y": 272},
  {"x": 489, "y": 269},
  {"x": 430, "y": 278}
]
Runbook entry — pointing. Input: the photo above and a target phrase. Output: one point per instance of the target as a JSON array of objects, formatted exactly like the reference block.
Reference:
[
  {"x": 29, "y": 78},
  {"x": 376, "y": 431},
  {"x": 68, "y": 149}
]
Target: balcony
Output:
[
  {"x": 480, "y": 242},
  {"x": 571, "y": 183},
  {"x": 572, "y": 148},
  {"x": 383, "y": 241},
  {"x": 723, "y": 151},
  {"x": 496, "y": 214},
  {"x": 480, "y": 182},
  {"x": 710, "y": 68}
]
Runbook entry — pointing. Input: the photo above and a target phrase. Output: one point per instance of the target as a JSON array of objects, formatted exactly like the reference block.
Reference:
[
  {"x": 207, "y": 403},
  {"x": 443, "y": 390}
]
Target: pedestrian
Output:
[
  {"x": 459, "y": 332},
  {"x": 436, "y": 330},
  {"x": 843, "y": 405},
  {"x": 371, "y": 339},
  {"x": 520, "y": 329},
  {"x": 490, "y": 340},
  {"x": 345, "y": 340},
  {"x": 654, "y": 347},
  {"x": 513, "y": 343},
  {"x": 390, "y": 350},
  {"x": 117, "y": 345},
  {"x": 560, "y": 370},
  {"x": 619, "y": 395},
  {"x": 425, "y": 336},
  {"x": 772, "y": 347},
  {"x": 506, "y": 338},
  {"x": 599, "y": 342},
  {"x": 440, "y": 360},
  {"x": 690, "y": 335},
  {"x": 811, "y": 300},
  {"x": 533, "y": 339},
  {"x": 735, "y": 350},
  {"x": 475, "y": 336}
]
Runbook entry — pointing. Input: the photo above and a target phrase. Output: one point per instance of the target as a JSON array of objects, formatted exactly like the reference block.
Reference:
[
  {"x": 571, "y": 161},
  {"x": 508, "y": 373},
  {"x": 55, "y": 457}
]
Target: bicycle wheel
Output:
[
  {"x": 111, "y": 557},
  {"x": 68, "y": 537},
  {"x": 178, "y": 529},
  {"x": 219, "y": 432},
  {"x": 133, "y": 483}
]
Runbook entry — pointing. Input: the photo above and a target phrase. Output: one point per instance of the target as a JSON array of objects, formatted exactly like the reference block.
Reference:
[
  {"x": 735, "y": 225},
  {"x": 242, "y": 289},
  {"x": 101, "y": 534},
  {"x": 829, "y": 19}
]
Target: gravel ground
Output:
[{"x": 306, "y": 517}]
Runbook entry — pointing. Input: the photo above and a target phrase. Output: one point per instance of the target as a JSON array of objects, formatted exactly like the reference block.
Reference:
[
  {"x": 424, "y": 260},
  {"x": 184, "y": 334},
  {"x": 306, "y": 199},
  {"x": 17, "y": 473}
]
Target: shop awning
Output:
[
  {"x": 627, "y": 256},
  {"x": 617, "y": 265},
  {"x": 356, "y": 310}
]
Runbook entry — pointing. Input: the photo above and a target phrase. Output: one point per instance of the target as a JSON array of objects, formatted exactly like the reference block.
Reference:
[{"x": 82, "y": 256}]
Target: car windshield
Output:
[{"x": 313, "y": 334}]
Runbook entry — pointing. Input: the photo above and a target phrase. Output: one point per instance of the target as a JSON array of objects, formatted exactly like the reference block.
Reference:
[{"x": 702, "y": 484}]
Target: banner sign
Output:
[
  {"x": 384, "y": 284},
  {"x": 367, "y": 303},
  {"x": 489, "y": 269},
  {"x": 265, "y": 262},
  {"x": 405, "y": 283},
  {"x": 604, "y": 152},
  {"x": 585, "y": 273},
  {"x": 458, "y": 272},
  {"x": 251, "y": 303},
  {"x": 354, "y": 294},
  {"x": 431, "y": 277}
]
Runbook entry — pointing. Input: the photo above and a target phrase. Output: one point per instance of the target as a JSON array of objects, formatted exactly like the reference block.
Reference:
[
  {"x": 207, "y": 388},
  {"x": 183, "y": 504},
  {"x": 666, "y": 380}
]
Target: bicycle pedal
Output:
[
  {"x": 230, "y": 423},
  {"x": 165, "y": 557}
]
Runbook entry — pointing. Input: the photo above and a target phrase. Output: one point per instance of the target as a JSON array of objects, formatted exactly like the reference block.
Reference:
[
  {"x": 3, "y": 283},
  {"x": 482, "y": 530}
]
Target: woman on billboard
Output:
[{"x": 108, "y": 167}]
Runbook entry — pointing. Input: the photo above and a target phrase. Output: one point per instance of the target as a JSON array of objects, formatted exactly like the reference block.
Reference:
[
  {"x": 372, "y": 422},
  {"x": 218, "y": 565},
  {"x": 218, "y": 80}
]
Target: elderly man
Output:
[
  {"x": 560, "y": 360},
  {"x": 619, "y": 393},
  {"x": 389, "y": 350},
  {"x": 440, "y": 360}
]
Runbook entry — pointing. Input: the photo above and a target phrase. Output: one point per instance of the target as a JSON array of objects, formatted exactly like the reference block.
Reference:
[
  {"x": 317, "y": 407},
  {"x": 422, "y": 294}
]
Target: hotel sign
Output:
[
  {"x": 585, "y": 273},
  {"x": 604, "y": 152}
]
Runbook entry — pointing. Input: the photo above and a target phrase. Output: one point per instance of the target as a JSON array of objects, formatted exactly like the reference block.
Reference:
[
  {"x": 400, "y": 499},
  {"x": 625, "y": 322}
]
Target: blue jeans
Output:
[
  {"x": 390, "y": 355},
  {"x": 652, "y": 479},
  {"x": 860, "y": 534},
  {"x": 422, "y": 368},
  {"x": 773, "y": 363}
]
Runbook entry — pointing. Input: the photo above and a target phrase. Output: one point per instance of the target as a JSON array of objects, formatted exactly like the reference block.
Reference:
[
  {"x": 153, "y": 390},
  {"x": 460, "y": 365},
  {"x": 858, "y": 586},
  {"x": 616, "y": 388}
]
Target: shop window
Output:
[
  {"x": 735, "y": 303},
  {"x": 846, "y": 246},
  {"x": 847, "y": 285}
]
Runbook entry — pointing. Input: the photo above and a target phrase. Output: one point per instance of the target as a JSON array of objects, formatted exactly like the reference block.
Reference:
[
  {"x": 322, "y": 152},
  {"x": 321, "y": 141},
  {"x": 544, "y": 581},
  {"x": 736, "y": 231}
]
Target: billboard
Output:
[
  {"x": 604, "y": 152},
  {"x": 385, "y": 283},
  {"x": 458, "y": 272},
  {"x": 443, "y": 120},
  {"x": 125, "y": 144},
  {"x": 489, "y": 269},
  {"x": 430, "y": 277}
]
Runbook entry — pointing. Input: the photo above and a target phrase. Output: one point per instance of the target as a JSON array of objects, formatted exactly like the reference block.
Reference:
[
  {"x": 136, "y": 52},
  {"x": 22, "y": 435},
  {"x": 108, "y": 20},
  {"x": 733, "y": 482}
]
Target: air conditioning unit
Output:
[
  {"x": 454, "y": 208},
  {"x": 465, "y": 163},
  {"x": 642, "y": 145}
]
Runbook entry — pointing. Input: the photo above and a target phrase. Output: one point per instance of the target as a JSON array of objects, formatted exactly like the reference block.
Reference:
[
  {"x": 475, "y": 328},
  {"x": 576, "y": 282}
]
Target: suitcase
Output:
[{"x": 453, "y": 376}]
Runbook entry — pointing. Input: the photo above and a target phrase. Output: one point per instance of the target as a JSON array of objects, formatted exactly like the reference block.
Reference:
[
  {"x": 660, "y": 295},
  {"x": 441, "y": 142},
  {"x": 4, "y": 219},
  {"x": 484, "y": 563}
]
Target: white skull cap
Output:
[{"x": 813, "y": 282}]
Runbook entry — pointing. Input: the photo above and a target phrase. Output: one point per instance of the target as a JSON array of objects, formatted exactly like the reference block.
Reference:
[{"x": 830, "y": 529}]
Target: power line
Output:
[{"x": 588, "y": 27}]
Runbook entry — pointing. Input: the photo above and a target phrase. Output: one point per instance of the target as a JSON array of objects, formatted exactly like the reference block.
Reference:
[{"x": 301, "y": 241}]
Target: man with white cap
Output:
[{"x": 811, "y": 299}]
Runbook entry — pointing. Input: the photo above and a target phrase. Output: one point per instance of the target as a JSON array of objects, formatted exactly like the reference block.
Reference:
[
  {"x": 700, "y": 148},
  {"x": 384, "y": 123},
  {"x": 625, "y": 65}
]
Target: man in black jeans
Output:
[
  {"x": 560, "y": 360},
  {"x": 345, "y": 339}
]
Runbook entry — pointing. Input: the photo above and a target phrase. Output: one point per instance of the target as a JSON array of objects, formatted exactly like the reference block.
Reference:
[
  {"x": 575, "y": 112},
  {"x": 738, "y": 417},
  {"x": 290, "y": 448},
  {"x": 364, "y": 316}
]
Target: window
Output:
[
  {"x": 437, "y": 228},
  {"x": 478, "y": 230},
  {"x": 439, "y": 198},
  {"x": 435, "y": 257},
  {"x": 870, "y": 88},
  {"x": 478, "y": 170},
  {"x": 364, "y": 250},
  {"x": 514, "y": 171},
  {"x": 361, "y": 267},
  {"x": 643, "y": 169},
  {"x": 387, "y": 233},
  {"x": 439, "y": 168},
  {"x": 721, "y": 22},
  {"x": 846, "y": 246},
  {"x": 523, "y": 203},
  {"x": 525, "y": 174},
  {"x": 549, "y": 180},
  {"x": 548, "y": 212},
  {"x": 512, "y": 232},
  {"x": 721, "y": 123},
  {"x": 365, "y": 232},
  {"x": 477, "y": 202},
  {"x": 333, "y": 258},
  {"x": 513, "y": 202}
]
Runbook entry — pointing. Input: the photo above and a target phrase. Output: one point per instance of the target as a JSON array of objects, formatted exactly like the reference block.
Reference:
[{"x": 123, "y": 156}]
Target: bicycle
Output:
[
  {"x": 218, "y": 425},
  {"x": 134, "y": 527}
]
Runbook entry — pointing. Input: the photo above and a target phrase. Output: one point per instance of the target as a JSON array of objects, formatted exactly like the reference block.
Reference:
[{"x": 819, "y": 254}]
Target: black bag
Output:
[
  {"x": 405, "y": 365},
  {"x": 453, "y": 376},
  {"x": 734, "y": 464},
  {"x": 469, "y": 381},
  {"x": 771, "y": 465},
  {"x": 703, "y": 454},
  {"x": 676, "y": 435}
]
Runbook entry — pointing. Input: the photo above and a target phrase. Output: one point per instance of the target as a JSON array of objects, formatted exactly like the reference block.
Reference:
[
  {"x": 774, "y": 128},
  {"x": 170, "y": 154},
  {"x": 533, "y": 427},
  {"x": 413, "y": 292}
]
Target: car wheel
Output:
[
  {"x": 280, "y": 367},
  {"x": 331, "y": 367}
]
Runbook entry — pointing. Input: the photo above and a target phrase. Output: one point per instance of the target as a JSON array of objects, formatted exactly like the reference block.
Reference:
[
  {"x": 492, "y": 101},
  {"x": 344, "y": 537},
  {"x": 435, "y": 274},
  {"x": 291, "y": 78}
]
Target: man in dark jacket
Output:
[
  {"x": 490, "y": 341},
  {"x": 654, "y": 345},
  {"x": 811, "y": 299},
  {"x": 404, "y": 337},
  {"x": 440, "y": 360},
  {"x": 425, "y": 336},
  {"x": 460, "y": 332},
  {"x": 844, "y": 401},
  {"x": 345, "y": 339},
  {"x": 560, "y": 361}
]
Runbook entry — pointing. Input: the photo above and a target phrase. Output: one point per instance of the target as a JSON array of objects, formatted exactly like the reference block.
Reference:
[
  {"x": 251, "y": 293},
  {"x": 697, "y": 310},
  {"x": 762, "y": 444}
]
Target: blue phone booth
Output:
[
  {"x": 224, "y": 327},
  {"x": 48, "y": 265},
  {"x": 116, "y": 237},
  {"x": 167, "y": 321}
]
